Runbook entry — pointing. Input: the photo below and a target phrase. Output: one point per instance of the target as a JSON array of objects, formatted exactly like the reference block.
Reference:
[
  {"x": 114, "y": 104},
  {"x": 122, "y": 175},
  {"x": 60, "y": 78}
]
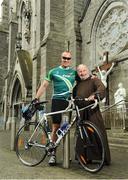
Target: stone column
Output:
[{"x": 13, "y": 129}]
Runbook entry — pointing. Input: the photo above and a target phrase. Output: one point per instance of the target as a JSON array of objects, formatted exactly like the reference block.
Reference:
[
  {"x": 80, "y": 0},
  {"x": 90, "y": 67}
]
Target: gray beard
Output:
[{"x": 84, "y": 77}]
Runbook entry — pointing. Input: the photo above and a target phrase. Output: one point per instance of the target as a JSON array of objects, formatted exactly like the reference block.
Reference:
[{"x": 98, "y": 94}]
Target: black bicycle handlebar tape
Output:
[
  {"x": 78, "y": 98},
  {"x": 35, "y": 101},
  {"x": 42, "y": 102}
]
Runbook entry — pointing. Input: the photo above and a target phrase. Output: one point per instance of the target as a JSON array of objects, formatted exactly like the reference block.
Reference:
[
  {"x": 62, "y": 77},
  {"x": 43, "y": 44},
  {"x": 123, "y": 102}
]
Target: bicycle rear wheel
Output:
[
  {"x": 90, "y": 150},
  {"x": 30, "y": 144}
]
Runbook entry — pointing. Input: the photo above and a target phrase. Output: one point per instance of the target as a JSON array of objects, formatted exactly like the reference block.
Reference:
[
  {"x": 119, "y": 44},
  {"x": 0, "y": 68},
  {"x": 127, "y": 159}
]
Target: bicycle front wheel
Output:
[
  {"x": 30, "y": 144},
  {"x": 90, "y": 150}
]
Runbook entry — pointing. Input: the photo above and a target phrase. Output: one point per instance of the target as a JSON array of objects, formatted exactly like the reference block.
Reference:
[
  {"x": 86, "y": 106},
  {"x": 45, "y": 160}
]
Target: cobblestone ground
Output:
[{"x": 11, "y": 168}]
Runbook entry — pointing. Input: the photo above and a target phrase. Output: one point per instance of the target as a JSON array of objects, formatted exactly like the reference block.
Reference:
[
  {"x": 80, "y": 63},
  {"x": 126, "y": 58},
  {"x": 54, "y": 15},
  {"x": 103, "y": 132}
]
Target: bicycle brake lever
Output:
[{"x": 95, "y": 104}]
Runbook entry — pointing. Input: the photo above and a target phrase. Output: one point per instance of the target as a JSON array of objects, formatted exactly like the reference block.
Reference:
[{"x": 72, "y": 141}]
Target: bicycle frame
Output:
[
  {"x": 34, "y": 144},
  {"x": 71, "y": 107},
  {"x": 45, "y": 121}
]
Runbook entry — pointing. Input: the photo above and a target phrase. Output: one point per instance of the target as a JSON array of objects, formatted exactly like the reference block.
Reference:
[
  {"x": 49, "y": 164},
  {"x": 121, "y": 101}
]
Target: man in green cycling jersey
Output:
[{"x": 63, "y": 78}]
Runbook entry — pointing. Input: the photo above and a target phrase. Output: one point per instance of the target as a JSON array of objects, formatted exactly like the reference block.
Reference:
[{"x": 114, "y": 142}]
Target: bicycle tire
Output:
[
  {"x": 29, "y": 153},
  {"x": 90, "y": 150}
]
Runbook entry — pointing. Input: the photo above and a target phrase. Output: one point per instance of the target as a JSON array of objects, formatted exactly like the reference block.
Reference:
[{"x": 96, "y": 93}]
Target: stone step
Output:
[
  {"x": 122, "y": 135},
  {"x": 119, "y": 147},
  {"x": 117, "y": 140}
]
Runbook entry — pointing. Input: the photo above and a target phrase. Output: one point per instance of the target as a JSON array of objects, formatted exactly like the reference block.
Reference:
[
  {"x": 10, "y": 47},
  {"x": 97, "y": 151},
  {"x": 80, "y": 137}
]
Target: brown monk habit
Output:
[{"x": 84, "y": 89}]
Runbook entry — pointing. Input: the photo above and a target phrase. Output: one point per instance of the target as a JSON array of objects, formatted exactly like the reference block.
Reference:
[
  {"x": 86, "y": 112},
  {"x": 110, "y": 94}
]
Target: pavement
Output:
[{"x": 12, "y": 168}]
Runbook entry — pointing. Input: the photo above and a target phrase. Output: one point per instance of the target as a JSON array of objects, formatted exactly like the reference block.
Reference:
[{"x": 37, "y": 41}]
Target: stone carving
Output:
[
  {"x": 120, "y": 97},
  {"x": 112, "y": 33},
  {"x": 104, "y": 74},
  {"x": 19, "y": 41},
  {"x": 27, "y": 19}
]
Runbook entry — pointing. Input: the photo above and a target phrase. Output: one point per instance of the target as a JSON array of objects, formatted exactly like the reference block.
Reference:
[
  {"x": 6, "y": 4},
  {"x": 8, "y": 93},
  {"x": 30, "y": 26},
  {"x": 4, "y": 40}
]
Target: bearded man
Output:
[{"x": 91, "y": 88}]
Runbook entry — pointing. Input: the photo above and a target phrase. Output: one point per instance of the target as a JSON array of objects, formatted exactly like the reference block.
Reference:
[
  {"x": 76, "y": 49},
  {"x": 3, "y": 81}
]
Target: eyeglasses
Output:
[{"x": 68, "y": 58}]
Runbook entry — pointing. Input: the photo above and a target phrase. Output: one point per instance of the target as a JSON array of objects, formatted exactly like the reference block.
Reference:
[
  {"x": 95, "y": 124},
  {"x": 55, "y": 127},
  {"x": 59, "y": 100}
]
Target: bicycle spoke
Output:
[
  {"x": 90, "y": 149},
  {"x": 31, "y": 151}
]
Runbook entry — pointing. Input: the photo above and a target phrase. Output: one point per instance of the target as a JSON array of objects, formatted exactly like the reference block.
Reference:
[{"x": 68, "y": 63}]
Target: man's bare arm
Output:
[{"x": 42, "y": 89}]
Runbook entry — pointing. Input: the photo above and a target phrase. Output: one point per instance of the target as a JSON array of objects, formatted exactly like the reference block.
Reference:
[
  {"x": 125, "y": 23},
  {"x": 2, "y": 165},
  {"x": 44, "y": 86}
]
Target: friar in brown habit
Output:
[{"x": 91, "y": 88}]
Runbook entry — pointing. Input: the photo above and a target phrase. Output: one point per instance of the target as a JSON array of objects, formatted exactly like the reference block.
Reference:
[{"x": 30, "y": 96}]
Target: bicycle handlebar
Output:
[
  {"x": 86, "y": 99},
  {"x": 42, "y": 102},
  {"x": 95, "y": 104}
]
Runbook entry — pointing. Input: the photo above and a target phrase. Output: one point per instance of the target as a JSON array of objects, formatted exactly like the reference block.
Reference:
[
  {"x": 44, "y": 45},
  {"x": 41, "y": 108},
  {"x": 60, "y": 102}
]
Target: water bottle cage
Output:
[{"x": 60, "y": 132}]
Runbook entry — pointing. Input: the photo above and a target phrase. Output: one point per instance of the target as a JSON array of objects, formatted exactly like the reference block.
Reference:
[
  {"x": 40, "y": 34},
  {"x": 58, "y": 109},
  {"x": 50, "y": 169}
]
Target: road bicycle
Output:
[{"x": 33, "y": 140}]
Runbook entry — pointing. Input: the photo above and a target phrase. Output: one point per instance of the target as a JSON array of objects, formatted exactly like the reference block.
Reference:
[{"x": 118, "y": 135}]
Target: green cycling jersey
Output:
[{"x": 63, "y": 81}]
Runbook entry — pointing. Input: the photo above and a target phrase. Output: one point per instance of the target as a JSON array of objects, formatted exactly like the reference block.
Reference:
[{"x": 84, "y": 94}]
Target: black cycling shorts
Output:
[{"x": 58, "y": 105}]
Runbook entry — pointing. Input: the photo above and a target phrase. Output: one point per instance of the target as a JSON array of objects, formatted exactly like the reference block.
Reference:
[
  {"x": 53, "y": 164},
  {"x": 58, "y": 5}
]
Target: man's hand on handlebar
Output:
[
  {"x": 91, "y": 98},
  {"x": 35, "y": 101}
]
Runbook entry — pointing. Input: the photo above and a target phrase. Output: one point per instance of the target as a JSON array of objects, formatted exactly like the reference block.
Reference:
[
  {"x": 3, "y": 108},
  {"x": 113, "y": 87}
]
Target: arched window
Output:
[
  {"x": 110, "y": 30},
  {"x": 112, "y": 33}
]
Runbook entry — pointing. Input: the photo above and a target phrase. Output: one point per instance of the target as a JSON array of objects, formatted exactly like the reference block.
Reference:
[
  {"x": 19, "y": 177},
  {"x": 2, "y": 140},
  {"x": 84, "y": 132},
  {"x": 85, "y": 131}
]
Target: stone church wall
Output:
[
  {"x": 52, "y": 44},
  {"x": 55, "y": 26},
  {"x": 3, "y": 60},
  {"x": 107, "y": 30}
]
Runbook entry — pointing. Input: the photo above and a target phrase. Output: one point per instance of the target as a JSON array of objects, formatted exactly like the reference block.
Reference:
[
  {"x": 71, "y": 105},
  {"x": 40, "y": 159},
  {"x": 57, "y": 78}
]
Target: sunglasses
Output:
[{"x": 66, "y": 58}]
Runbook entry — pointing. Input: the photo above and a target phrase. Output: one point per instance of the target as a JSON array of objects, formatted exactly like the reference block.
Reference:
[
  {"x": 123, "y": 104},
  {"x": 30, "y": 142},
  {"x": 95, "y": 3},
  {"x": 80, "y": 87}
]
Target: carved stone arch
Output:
[
  {"x": 21, "y": 3},
  {"x": 20, "y": 9},
  {"x": 18, "y": 92},
  {"x": 104, "y": 11},
  {"x": 17, "y": 96},
  {"x": 25, "y": 12}
]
